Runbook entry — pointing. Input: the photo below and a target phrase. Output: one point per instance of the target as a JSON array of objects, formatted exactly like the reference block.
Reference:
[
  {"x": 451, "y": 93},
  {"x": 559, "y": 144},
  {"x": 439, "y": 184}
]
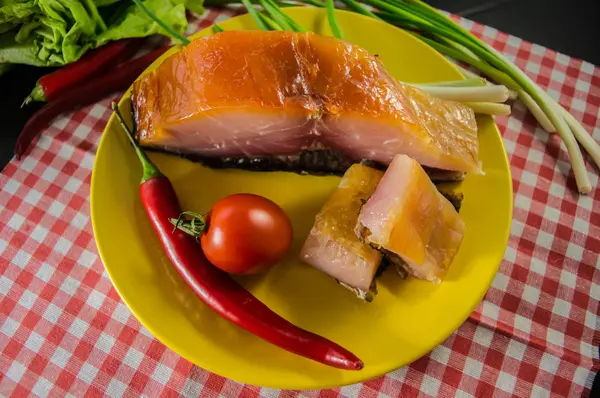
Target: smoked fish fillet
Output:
[
  {"x": 332, "y": 246},
  {"x": 253, "y": 93},
  {"x": 408, "y": 217}
]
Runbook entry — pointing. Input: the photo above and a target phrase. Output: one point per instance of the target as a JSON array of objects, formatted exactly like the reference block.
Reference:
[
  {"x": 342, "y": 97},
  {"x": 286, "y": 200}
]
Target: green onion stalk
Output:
[
  {"x": 489, "y": 108},
  {"x": 468, "y": 82},
  {"x": 470, "y": 94},
  {"x": 494, "y": 64},
  {"x": 255, "y": 15},
  {"x": 533, "y": 107},
  {"x": 280, "y": 17},
  {"x": 335, "y": 28},
  {"x": 271, "y": 23}
]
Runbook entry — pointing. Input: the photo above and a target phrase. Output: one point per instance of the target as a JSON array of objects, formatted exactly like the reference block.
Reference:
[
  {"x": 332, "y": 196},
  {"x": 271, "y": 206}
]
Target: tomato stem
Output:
[{"x": 194, "y": 226}]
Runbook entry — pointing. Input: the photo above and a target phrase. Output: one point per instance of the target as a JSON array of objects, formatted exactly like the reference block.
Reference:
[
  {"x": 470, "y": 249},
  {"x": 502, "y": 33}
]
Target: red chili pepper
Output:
[
  {"x": 84, "y": 94},
  {"x": 215, "y": 287},
  {"x": 95, "y": 62}
]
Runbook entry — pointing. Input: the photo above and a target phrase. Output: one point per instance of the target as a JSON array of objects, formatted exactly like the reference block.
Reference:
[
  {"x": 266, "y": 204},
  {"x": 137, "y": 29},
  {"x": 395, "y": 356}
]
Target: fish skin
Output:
[
  {"x": 251, "y": 93},
  {"x": 332, "y": 246},
  {"x": 309, "y": 162},
  {"x": 408, "y": 216}
]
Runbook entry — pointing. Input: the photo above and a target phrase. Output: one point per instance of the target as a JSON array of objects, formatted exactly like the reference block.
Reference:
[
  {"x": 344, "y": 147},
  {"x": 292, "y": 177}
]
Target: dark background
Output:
[{"x": 570, "y": 27}]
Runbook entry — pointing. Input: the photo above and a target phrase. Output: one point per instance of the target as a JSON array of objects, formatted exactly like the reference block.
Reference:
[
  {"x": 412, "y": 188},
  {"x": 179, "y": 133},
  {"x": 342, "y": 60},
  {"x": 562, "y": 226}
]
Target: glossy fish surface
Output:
[
  {"x": 332, "y": 245},
  {"x": 407, "y": 216},
  {"x": 251, "y": 93}
]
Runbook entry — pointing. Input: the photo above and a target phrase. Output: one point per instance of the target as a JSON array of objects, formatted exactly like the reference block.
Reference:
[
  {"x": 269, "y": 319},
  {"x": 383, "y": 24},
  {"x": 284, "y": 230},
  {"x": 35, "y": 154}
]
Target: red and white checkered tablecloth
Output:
[{"x": 65, "y": 332}]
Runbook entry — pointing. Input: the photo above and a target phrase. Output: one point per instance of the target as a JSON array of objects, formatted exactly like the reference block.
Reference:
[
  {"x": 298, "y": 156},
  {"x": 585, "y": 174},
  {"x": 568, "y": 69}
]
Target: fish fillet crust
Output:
[
  {"x": 407, "y": 216},
  {"x": 252, "y": 93},
  {"x": 332, "y": 245}
]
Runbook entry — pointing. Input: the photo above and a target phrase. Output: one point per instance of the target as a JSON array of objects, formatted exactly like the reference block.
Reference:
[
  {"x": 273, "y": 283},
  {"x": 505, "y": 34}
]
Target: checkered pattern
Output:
[{"x": 64, "y": 330}]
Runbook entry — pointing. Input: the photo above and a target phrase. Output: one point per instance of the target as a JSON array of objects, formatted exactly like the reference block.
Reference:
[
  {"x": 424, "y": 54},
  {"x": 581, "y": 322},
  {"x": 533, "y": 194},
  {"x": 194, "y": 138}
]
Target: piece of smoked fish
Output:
[
  {"x": 332, "y": 245},
  {"x": 252, "y": 93},
  {"x": 407, "y": 216}
]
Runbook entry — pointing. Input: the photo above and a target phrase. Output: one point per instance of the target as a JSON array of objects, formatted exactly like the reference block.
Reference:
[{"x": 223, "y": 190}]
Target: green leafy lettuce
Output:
[{"x": 57, "y": 32}]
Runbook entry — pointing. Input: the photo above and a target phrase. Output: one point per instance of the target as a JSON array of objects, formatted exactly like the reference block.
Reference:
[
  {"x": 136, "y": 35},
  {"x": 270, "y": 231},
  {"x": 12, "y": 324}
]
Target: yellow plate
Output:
[{"x": 407, "y": 318}]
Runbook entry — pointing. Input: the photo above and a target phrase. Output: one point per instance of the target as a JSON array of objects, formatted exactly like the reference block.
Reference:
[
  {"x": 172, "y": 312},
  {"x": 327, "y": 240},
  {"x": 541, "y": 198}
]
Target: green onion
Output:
[
  {"x": 584, "y": 138},
  {"x": 489, "y": 108},
  {"x": 293, "y": 24},
  {"x": 525, "y": 98},
  {"x": 468, "y": 74},
  {"x": 315, "y": 3},
  {"x": 163, "y": 25},
  {"x": 217, "y": 28},
  {"x": 498, "y": 76},
  {"x": 335, "y": 28},
  {"x": 273, "y": 13},
  {"x": 536, "y": 111},
  {"x": 270, "y": 22},
  {"x": 279, "y": 16},
  {"x": 469, "y": 82},
  {"x": 359, "y": 8},
  {"x": 255, "y": 15},
  {"x": 472, "y": 94},
  {"x": 395, "y": 10},
  {"x": 445, "y": 29},
  {"x": 453, "y": 40},
  {"x": 533, "y": 107}
]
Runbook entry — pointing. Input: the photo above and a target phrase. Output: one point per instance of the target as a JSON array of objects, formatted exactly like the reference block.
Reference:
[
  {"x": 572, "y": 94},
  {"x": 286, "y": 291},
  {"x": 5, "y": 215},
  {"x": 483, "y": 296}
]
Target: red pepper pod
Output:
[
  {"x": 51, "y": 86},
  {"x": 82, "y": 95}
]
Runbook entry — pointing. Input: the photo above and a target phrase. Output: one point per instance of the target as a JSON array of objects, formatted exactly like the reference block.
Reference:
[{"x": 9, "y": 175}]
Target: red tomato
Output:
[{"x": 246, "y": 234}]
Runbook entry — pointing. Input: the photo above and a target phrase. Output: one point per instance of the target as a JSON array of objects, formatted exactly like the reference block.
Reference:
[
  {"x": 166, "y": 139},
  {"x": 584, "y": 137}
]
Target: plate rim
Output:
[{"x": 168, "y": 343}]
